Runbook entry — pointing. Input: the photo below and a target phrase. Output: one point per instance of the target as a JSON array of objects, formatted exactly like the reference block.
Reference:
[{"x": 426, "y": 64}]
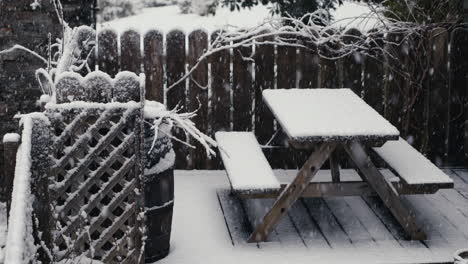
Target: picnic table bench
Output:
[{"x": 323, "y": 120}]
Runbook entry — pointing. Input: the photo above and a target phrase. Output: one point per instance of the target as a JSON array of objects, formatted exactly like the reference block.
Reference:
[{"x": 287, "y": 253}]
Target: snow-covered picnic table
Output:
[{"x": 324, "y": 121}]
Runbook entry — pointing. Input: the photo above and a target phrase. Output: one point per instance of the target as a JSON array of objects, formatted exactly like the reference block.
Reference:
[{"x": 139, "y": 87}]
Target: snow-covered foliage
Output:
[
  {"x": 199, "y": 7},
  {"x": 158, "y": 114},
  {"x": 112, "y": 9}
]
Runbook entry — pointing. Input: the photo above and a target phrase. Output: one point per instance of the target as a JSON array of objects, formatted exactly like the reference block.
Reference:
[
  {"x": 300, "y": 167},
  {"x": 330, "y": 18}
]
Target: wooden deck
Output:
[{"x": 211, "y": 226}]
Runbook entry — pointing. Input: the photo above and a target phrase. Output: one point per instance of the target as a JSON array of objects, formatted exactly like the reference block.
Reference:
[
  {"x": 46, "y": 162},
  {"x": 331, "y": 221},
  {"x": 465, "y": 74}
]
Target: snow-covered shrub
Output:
[
  {"x": 156, "y": 3},
  {"x": 199, "y": 7},
  {"x": 113, "y": 9}
]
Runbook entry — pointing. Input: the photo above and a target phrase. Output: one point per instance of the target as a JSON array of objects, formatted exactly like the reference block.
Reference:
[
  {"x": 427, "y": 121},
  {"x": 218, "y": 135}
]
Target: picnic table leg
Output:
[
  {"x": 385, "y": 190},
  {"x": 292, "y": 192}
]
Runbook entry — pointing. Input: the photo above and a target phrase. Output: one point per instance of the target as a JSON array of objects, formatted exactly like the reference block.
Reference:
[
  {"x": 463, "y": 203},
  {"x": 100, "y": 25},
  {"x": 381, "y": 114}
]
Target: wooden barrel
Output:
[{"x": 159, "y": 193}]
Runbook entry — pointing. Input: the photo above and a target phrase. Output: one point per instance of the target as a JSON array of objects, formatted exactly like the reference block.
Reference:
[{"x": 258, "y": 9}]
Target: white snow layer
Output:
[
  {"x": 169, "y": 17},
  {"x": 11, "y": 137},
  {"x": 20, "y": 243},
  {"x": 326, "y": 113},
  {"x": 411, "y": 165},
  {"x": 163, "y": 164},
  {"x": 245, "y": 164}
]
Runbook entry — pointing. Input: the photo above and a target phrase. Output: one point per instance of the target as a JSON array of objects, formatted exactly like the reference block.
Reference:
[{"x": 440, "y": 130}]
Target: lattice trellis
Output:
[{"x": 95, "y": 182}]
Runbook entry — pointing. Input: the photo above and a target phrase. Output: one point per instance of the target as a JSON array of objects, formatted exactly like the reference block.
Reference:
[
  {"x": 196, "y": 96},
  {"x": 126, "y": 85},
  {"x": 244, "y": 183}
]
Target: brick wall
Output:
[{"x": 20, "y": 24}]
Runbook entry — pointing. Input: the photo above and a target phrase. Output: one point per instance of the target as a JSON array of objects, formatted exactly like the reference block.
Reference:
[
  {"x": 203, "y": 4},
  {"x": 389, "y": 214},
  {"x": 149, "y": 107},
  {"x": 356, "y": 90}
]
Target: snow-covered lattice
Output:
[{"x": 95, "y": 183}]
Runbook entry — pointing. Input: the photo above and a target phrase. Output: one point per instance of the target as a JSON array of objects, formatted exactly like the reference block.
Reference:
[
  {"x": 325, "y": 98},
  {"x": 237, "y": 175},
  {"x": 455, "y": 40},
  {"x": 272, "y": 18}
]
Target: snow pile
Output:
[
  {"x": 11, "y": 137},
  {"x": 20, "y": 243},
  {"x": 321, "y": 114}
]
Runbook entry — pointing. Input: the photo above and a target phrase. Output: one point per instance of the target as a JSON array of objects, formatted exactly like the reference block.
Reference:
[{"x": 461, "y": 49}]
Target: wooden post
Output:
[{"x": 10, "y": 146}]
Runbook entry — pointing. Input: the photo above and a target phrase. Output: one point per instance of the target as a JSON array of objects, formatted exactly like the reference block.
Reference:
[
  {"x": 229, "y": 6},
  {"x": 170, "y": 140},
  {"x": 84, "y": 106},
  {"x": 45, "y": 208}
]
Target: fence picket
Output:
[
  {"x": 308, "y": 65},
  {"x": 353, "y": 63},
  {"x": 329, "y": 68},
  {"x": 154, "y": 65},
  {"x": 177, "y": 95},
  {"x": 438, "y": 96},
  {"x": 374, "y": 72},
  {"x": 396, "y": 84},
  {"x": 108, "y": 53},
  {"x": 198, "y": 93},
  {"x": 130, "y": 53},
  {"x": 458, "y": 137},
  {"x": 242, "y": 96},
  {"x": 220, "y": 99},
  {"x": 264, "y": 79}
]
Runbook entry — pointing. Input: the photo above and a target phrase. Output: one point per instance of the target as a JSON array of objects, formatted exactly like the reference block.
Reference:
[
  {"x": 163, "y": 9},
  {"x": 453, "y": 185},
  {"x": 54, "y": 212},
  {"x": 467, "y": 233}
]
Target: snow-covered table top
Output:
[{"x": 311, "y": 115}]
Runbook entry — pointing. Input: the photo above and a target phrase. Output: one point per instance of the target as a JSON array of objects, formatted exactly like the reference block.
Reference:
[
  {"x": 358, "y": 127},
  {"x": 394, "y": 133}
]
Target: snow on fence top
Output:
[
  {"x": 99, "y": 87},
  {"x": 318, "y": 114},
  {"x": 20, "y": 246}
]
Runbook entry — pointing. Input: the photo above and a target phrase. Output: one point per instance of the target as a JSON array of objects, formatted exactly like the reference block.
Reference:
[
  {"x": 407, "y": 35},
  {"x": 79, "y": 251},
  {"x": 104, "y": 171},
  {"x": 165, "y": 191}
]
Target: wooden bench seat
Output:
[
  {"x": 247, "y": 168},
  {"x": 411, "y": 166}
]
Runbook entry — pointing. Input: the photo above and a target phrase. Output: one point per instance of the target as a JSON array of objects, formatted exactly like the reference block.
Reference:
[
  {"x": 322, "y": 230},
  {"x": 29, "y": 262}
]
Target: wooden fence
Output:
[{"x": 227, "y": 89}]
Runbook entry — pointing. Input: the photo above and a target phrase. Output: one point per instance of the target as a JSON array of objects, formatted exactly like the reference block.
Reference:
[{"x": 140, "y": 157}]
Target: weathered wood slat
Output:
[
  {"x": 345, "y": 216},
  {"x": 198, "y": 94},
  {"x": 396, "y": 82},
  {"x": 438, "y": 97},
  {"x": 234, "y": 215},
  {"x": 108, "y": 52},
  {"x": 242, "y": 93},
  {"x": 153, "y": 64},
  {"x": 264, "y": 79},
  {"x": 220, "y": 98},
  {"x": 353, "y": 63},
  {"x": 130, "y": 59},
  {"x": 308, "y": 64},
  {"x": 326, "y": 221},
  {"x": 330, "y": 70},
  {"x": 458, "y": 141},
  {"x": 308, "y": 230},
  {"x": 374, "y": 72},
  {"x": 176, "y": 95}
]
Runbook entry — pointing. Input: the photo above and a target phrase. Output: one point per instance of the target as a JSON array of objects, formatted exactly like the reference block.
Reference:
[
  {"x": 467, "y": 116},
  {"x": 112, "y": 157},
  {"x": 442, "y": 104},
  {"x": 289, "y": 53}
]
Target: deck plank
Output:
[
  {"x": 372, "y": 223},
  {"x": 359, "y": 235},
  {"x": 327, "y": 223},
  {"x": 238, "y": 226},
  {"x": 308, "y": 229}
]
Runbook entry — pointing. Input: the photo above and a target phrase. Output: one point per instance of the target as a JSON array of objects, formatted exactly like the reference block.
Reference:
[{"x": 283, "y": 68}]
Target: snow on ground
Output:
[
  {"x": 3, "y": 230},
  {"x": 167, "y": 18}
]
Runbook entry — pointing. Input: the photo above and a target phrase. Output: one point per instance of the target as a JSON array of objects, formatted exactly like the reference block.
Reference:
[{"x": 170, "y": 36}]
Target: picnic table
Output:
[{"x": 325, "y": 121}]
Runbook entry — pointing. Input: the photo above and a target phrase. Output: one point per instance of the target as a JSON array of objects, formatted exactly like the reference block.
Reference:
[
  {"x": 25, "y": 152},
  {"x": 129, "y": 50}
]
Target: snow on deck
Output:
[
  {"x": 320, "y": 114},
  {"x": 411, "y": 165},
  {"x": 209, "y": 226},
  {"x": 247, "y": 167}
]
